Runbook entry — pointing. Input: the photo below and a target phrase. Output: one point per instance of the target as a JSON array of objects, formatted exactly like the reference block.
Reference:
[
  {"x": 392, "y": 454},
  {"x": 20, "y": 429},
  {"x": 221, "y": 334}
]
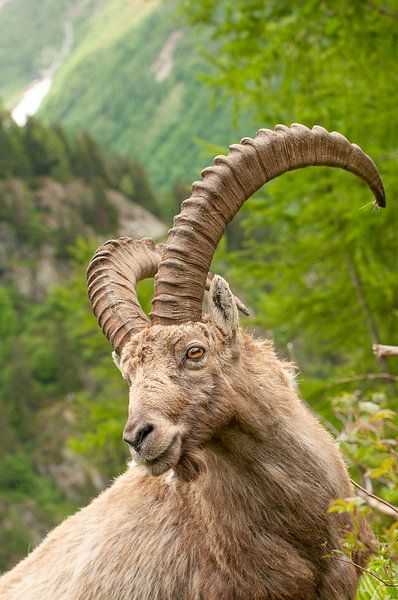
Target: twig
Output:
[
  {"x": 367, "y": 313},
  {"x": 365, "y": 376},
  {"x": 362, "y": 300},
  {"x": 381, "y": 350},
  {"x": 346, "y": 560},
  {"x": 329, "y": 426},
  {"x": 393, "y": 509}
]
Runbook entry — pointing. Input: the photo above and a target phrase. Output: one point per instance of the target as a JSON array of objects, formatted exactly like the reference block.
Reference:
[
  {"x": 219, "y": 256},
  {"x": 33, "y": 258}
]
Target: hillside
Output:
[
  {"x": 31, "y": 37},
  {"x": 132, "y": 79},
  {"x": 59, "y": 199}
]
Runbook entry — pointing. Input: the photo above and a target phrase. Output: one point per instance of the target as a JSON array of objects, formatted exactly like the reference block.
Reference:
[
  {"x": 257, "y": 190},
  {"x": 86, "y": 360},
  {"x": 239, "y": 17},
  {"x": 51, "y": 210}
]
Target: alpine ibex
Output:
[{"x": 244, "y": 471}]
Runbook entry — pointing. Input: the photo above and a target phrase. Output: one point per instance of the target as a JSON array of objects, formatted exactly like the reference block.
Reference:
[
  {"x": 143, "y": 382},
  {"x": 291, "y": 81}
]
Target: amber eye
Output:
[{"x": 195, "y": 353}]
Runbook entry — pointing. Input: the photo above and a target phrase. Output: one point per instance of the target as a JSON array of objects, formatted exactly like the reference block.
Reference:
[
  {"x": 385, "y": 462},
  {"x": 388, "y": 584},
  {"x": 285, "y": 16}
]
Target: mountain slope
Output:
[
  {"x": 31, "y": 36},
  {"x": 132, "y": 80}
]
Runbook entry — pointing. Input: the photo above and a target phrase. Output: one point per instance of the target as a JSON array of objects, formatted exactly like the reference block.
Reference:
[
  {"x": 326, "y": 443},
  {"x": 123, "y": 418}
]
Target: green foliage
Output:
[
  {"x": 326, "y": 60},
  {"x": 37, "y": 151},
  {"x": 8, "y": 317},
  {"x": 16, "y": 473},
  {"x": 46, "y": 151},
  {"x": 368, "y": 441},
  {"x": 14, "y": 159},
  {"x": 29, "y": 505}
]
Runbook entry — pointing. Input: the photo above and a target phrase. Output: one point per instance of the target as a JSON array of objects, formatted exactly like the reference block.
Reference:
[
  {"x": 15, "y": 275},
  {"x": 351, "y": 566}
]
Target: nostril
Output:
[
  {"x": 142, "y": 433},
  {"x": 139, "y": 436}
]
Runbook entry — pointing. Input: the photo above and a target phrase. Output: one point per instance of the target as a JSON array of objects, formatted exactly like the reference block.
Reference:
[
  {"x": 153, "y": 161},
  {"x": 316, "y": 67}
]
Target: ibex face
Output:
[{"x": 176, "y": 377}]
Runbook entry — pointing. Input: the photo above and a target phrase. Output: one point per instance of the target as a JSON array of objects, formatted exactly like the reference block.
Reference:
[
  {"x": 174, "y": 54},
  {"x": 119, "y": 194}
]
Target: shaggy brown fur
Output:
[{"x": 241, "y": 515}]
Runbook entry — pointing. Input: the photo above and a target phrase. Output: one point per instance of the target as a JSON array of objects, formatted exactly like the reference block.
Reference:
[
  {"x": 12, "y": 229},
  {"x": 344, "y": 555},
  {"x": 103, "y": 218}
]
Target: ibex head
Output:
[
  {"x": 177, "y": 377},
  {"x": 178, "y": 363}
]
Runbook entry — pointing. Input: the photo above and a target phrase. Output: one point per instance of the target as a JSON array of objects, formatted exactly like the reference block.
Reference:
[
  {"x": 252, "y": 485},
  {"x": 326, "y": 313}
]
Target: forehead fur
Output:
[{"x": 161, "y": 338}]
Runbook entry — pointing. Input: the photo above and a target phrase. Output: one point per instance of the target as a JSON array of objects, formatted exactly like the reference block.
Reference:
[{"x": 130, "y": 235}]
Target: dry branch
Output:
[
  {"x": 365, "y": 376},
  {"x": 381, "y": 350},
  {"x": 374, "y": 501},
  {"x": 347, "y": 560}
]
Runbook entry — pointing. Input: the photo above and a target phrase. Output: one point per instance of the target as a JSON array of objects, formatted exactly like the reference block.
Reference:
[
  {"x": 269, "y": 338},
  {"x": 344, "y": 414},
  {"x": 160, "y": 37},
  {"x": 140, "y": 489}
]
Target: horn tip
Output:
[{"x": 380, "y": 198}]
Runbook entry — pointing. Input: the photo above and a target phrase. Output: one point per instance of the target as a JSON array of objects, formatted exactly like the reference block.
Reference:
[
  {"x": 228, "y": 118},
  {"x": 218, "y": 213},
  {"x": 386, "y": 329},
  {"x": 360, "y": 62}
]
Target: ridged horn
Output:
[
  {"x": 187, "y": 254},
  {"x": 112, "y": 276}
]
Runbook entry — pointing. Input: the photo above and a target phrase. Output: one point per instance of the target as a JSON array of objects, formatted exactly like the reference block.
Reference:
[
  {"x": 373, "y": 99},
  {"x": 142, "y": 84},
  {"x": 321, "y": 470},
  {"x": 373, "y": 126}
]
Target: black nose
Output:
[{"x": 137, "y": 437}]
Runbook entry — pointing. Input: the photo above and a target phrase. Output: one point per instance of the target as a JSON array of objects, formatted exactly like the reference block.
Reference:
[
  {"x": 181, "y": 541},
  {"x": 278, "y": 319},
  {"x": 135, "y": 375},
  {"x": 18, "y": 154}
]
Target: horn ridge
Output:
[
  {"x": 112, "y": 276},
  {"x": 225, "y": 186}
]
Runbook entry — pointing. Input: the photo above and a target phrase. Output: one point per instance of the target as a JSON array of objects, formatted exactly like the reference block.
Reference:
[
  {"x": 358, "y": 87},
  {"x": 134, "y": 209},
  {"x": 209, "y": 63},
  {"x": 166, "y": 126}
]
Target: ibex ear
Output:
[
  {"x": 118, "y": 362},
  {"x": 222, "y": 306}
]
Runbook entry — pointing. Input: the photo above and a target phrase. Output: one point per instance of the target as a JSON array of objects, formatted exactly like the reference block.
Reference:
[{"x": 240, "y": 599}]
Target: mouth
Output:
[{"x": 166, "y": 460}]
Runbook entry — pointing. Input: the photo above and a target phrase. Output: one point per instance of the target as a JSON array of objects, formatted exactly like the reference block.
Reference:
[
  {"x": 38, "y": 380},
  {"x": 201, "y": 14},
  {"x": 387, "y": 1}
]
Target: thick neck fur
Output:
[
  {"x": 273, "y": 442},
  {"x": 269, "y": 476}
]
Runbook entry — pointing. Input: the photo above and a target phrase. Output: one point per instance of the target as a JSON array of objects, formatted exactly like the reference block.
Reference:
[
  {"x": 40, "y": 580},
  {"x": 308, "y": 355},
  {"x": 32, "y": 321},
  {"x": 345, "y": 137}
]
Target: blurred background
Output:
[{"x": 108, "y": 111}]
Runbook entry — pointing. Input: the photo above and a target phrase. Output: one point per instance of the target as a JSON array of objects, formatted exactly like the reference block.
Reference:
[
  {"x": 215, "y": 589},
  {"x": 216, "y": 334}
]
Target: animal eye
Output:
[{"x": 194, "y": 352}]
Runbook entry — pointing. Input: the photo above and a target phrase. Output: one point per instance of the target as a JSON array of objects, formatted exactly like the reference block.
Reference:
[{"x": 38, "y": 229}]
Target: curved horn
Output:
[
  {"x": 186, "y": 258},
  {"x": 112, "y": 276}
]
